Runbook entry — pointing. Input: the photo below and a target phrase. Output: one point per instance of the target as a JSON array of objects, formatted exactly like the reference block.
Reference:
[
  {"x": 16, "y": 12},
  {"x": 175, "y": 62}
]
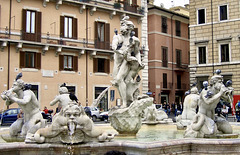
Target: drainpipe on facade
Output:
[
  {"x": 87, "y": 57},
  {"x": 212, "y": 36},
  {"x": 9, "y": 34},
  {"x": 172, "y": 46}
]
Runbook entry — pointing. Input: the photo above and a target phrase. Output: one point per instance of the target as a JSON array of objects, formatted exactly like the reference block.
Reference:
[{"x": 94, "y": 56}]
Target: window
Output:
[
  {"x": 34, "y": 88},
  {"x": 102, "y": 35},
  {"x": 179, "y": 83},
  {"x": 201, "y": 16},
  {"x": 224, "y": 52},
  {"x": 68, "y": 63},
  {"x": 164, "y": 80},
  {"x": 68, "y": 27},
  {"x": 129, "y": 5},
  {"x": 200, "y": 81},
  {"x": 178, "y": 28},
  {"x": 31, "y": 25},
  {"x": 71, "y": 89},
  {"x": 30, "y": 21},
  {"x": 103, "y": 104},
  {"x": 101, "y": 32},
  {"x": 101, "y": 65},
  {"x": 202, "y": 55},
  {"x": 178, "y": 57},
  {"x": 164, "y": 24},
  {"x": 30, "y": 60},
  {"x": 164, "y": 56},
  {"x": 223, "y": 12}
]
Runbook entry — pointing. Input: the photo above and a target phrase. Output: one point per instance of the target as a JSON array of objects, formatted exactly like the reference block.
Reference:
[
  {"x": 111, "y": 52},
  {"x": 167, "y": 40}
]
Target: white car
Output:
[{"x": 95, "y": 113}]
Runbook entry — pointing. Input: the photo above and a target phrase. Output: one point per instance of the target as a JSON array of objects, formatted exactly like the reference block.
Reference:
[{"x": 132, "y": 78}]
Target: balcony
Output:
[
  {"x": 102, "y": 45},
  {"x": 120, "y": 6},
  {"x": 47, "y": 40},
  {"x": 181, "y": 86},
  {"x": 181, "y": 68},
  {"x": 166, "y": 86}
]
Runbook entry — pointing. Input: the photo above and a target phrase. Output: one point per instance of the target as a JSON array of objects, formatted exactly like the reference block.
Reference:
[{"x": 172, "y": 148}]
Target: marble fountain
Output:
[{"x": 73, "y": 132}]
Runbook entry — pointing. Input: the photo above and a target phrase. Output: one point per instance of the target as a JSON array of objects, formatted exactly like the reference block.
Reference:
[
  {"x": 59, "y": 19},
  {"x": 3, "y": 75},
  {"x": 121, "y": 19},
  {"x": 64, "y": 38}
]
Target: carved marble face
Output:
[
  {"x": 17, "y": 85},
  {"x": 72, "y": 112}
]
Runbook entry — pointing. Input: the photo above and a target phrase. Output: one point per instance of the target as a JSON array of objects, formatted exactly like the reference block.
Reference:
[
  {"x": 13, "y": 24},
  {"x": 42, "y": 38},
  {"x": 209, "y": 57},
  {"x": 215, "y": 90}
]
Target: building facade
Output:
[
  {"x": 214, "y": 40},
  {"x": 168, "y": 54},
  {"x": 64, "y": 41}
]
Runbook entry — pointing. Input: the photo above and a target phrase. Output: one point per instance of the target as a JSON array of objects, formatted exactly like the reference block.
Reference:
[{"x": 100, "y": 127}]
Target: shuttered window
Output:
[
  {"x": 101, "y": 65},
  {"x": 30, "y": 60},
  {"x": 178, "y": 28},
  {"x": 68, "y": 63},
  {"x": 178, "y": 57},
  {"x": 164, "y": 24},
  {"x": 102, "y": 35},
  {"x": 179, "y": 82},
  {"x": 68, "y": 27},
  {"x": 164, "y": 56},
  {"x": 31, "y": 25},
  {"x": 164, "y": 80}
]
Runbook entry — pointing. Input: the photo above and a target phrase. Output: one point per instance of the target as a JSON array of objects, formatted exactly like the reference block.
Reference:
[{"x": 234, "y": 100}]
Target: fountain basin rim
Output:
[{"x": 127, "y": 143}]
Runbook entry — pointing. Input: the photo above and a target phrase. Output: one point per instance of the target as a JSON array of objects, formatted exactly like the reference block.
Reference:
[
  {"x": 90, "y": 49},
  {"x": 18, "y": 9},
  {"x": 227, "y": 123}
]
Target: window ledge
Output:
[
  {"x": 101, "y": 74},
  {"x": 68, "y": 72},
  {"x": 29, "y": 69}
]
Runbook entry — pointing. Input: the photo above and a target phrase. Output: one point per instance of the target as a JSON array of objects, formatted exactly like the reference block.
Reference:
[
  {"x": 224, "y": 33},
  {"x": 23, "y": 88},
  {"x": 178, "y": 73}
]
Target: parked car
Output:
[
  {"x": 9, "y": 116},
  {"x": 95, "y": 113},
  {"x": 104, "y": 116}
]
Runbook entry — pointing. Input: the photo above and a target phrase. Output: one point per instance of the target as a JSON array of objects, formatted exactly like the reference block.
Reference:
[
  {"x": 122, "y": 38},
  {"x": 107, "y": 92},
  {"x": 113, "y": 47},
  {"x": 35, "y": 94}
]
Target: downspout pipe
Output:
[
  {"x": 172, "y": 46},
  {"x": 9, "y": 34},
  {"x": 212, "y": 36},
  {"x": 87, "y": 57}
]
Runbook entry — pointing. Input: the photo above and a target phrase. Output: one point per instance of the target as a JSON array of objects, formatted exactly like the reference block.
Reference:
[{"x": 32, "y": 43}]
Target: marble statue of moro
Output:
[
  {"x": 127, "y": 61},
  {"x": 205, "y": 122},
  {"x": 21, "y": 94}
]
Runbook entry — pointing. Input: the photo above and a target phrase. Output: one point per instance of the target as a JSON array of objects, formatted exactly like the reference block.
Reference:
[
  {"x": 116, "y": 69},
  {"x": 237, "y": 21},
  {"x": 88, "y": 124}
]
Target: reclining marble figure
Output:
[
  {"x": 205, "y": 122},
  {"x": 21, "y": 94}
]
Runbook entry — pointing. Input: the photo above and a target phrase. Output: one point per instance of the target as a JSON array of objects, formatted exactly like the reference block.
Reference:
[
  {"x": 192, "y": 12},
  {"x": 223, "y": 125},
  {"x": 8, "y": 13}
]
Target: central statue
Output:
[
  {"x": 127, "y": 62},
  {"x": 126, "y": 119}
]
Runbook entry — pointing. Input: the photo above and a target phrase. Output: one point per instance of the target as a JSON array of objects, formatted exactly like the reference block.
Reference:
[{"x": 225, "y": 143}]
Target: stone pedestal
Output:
[{"x": 128, "y": 121}]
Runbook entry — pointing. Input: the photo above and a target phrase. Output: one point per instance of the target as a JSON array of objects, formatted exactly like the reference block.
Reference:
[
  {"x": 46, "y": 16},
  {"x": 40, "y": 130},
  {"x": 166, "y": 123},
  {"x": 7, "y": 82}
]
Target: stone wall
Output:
[{"x": 226, "y": 31}]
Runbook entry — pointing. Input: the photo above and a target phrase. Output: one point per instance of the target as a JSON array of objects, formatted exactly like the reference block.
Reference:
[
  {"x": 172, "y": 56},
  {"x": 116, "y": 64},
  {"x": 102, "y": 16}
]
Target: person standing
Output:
[
  {"x": 237, "y": 108},
  {"x": 45, "y": 110},
  {"x": 20, "y": 114},
  {"x": 224, "y": 111}
]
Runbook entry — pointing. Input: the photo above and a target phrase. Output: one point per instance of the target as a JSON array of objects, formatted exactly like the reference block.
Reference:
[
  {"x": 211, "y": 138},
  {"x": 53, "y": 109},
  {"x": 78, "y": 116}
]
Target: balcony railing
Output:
[
  {"x": 181, "y": 86},
  {"x": 117, "y": 4},
  {"x": 167, "y": 85},
  {"x": 46, "y": 38},
  {"x": 102, "y": 45}
]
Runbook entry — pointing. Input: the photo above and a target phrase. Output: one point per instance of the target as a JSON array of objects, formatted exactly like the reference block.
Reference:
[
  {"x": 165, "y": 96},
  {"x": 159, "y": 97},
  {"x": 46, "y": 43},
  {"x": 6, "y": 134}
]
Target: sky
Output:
[{"x": 169, "y": 3}]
